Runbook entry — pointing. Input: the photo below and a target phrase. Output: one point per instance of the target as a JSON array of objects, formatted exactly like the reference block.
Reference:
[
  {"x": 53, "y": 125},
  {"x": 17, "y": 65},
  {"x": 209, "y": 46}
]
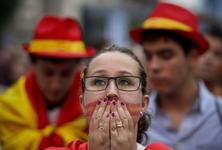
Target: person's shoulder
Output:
[
  {"x": 75, "y": 145},
  {"x": 14, "y": 93},
  {"x": 219, "y": 99},
  {"x": 15, "y": 88},
  {"x": 219, "y": 105},
  {"x": 15, "y": 101},
  {"x": 157, "y": 146}
]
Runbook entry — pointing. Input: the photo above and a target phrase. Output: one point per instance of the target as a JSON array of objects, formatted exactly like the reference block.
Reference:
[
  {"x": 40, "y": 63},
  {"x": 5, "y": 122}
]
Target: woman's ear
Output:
[{"x": 146, "y": 100}]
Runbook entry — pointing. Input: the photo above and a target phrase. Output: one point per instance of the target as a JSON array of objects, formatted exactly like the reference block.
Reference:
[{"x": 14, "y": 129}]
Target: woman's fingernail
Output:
[
  {"x": 107, "y": 116},
  {"x": 105, "y": 99},
  {"x": 115, "y": 99},
  {"x": 108, "y": 103},
  {"x": 114, "y": 103},
  {"x": 113, "y": 114},
  {"x": 122, "y": 104},
  {"x": 99, "y": 102}
]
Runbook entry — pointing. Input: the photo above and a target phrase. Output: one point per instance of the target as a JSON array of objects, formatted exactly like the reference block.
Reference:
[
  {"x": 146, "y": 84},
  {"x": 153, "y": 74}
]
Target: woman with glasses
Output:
[{"x": 115, "y": 103}]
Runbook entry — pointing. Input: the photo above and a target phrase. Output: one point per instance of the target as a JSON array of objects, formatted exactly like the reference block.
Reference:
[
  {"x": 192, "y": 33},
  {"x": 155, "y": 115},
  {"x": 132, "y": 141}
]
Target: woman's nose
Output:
[
  {"x": 112, "y": 97},
  {"x": 112, "y": 90}
]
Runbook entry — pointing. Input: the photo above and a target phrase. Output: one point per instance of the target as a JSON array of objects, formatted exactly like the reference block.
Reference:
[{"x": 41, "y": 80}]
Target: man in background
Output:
[
  {"x": 185, "y": 113},
  {"x": 42, "y": 108},
  {"x": 209, "y": 66}
]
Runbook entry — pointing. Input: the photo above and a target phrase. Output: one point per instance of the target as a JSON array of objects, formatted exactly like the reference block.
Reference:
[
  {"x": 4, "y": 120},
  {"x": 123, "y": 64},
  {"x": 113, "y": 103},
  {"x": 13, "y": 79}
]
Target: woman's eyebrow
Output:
[
  {"x": 104, "y": 72},
  {"x": 98, "y": 72},
  {"x": 125, "y": 73}
]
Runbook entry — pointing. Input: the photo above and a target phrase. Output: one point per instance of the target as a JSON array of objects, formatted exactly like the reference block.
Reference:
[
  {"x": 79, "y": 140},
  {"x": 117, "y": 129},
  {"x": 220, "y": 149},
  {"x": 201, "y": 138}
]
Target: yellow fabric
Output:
[
  {"x": 163, "y": 23},
  {"x": 57, "y": 46},
  {"x": 73, "y": 130},
  {"x": 48, "y": 130},
  {"x": 18, "y": 122}
]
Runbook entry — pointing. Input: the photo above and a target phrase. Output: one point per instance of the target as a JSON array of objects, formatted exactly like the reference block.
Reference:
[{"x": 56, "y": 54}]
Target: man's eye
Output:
[
  {"x": 217, "y": 54},
  {"x": 166, "y": 55},
  {"x": 148, "y": 56},
  {"x": 48, "y": 73}
]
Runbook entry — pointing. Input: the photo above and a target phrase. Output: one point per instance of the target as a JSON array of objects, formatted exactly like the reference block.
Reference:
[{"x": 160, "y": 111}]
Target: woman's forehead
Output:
[{"x": 114, "y": 62}]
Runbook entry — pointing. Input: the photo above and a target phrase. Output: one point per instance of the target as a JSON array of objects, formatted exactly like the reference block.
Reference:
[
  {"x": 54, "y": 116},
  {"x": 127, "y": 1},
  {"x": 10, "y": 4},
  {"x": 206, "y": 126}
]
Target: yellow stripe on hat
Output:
[
  {"x": 163, "y": 23},
  {"x": 51, "y": 46}
]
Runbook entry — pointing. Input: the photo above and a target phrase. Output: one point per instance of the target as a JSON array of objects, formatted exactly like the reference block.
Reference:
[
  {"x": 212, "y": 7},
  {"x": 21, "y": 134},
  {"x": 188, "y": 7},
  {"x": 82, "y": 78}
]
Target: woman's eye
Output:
[
  {"x": 99, "y": 82},
  {"x": 124, "y": 82}
]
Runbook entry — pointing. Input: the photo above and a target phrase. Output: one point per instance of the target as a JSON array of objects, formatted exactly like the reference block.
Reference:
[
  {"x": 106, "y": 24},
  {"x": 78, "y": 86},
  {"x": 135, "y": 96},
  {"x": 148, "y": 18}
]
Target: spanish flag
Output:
[{"x": 23, "y": 117}]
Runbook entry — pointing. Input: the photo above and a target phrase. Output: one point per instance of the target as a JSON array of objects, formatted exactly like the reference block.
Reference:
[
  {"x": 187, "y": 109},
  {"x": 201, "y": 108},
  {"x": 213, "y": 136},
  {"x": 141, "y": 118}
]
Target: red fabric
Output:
[
  {"x": 52, "y": 140},
  {"x": 157, "y": 146},
  {"x": 77, "y": 145},
  {"x": 177, "y": 13},
  {"x": 67, "y": 113},
  {"x": 61, "y": 28}
]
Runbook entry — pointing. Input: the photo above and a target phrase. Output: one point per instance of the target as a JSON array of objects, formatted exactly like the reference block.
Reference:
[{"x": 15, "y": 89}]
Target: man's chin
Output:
[
  {"x": 53, "y": 103},
  {"x": 163, "y": 91},
  {"x": 54, "y": 99}
]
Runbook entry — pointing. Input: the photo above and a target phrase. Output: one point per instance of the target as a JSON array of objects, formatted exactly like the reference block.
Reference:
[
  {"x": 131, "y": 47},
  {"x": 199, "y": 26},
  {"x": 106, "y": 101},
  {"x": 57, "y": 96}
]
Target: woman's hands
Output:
[
  {"x": 99, "y": 128},
  {"x": 111, "y": 127},
  {"x": 122, "y": 132}
]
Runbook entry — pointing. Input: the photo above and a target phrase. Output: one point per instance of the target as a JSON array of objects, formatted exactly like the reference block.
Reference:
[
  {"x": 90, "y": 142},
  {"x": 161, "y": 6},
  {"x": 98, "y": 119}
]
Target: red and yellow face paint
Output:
[{"x": 133, "y": 108}]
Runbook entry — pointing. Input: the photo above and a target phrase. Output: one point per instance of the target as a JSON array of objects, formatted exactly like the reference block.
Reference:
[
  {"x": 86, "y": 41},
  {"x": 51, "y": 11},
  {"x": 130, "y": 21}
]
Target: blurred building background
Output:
[{"x": 103, "y": 22}]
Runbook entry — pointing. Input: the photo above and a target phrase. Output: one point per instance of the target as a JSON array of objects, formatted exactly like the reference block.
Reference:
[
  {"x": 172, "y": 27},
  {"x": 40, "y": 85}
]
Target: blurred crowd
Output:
[
  {"x": 183, "y": 66},
  {"x": 14, "y": 63}
]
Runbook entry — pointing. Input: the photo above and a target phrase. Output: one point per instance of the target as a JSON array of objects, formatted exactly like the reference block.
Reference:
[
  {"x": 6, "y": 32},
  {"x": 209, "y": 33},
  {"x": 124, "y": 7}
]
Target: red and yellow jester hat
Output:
[
  {"x": 171, "y": 17},
  {"x": 58, "y": 37}
]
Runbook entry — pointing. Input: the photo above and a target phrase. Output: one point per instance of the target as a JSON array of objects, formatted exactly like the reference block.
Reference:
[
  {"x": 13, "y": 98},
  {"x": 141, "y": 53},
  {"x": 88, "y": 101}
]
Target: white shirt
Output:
[{"x": 140, "y": 147}]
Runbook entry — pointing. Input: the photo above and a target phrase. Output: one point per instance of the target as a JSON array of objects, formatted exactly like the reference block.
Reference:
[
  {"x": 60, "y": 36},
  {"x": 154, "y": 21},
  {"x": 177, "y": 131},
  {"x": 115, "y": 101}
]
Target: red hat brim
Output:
[
  {"x": 89, "y": 52},
  {"x": 198, "y": 39}
]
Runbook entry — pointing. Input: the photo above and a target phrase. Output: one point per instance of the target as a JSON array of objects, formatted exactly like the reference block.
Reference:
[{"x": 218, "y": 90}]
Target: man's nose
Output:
[
  {"x": 55, "y": 83},
  {"x": 154, "y": 65}
]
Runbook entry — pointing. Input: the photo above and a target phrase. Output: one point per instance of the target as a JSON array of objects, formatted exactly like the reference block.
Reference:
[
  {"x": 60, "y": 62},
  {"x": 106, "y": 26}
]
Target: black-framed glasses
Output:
[{"x": 123, "y": 83}]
